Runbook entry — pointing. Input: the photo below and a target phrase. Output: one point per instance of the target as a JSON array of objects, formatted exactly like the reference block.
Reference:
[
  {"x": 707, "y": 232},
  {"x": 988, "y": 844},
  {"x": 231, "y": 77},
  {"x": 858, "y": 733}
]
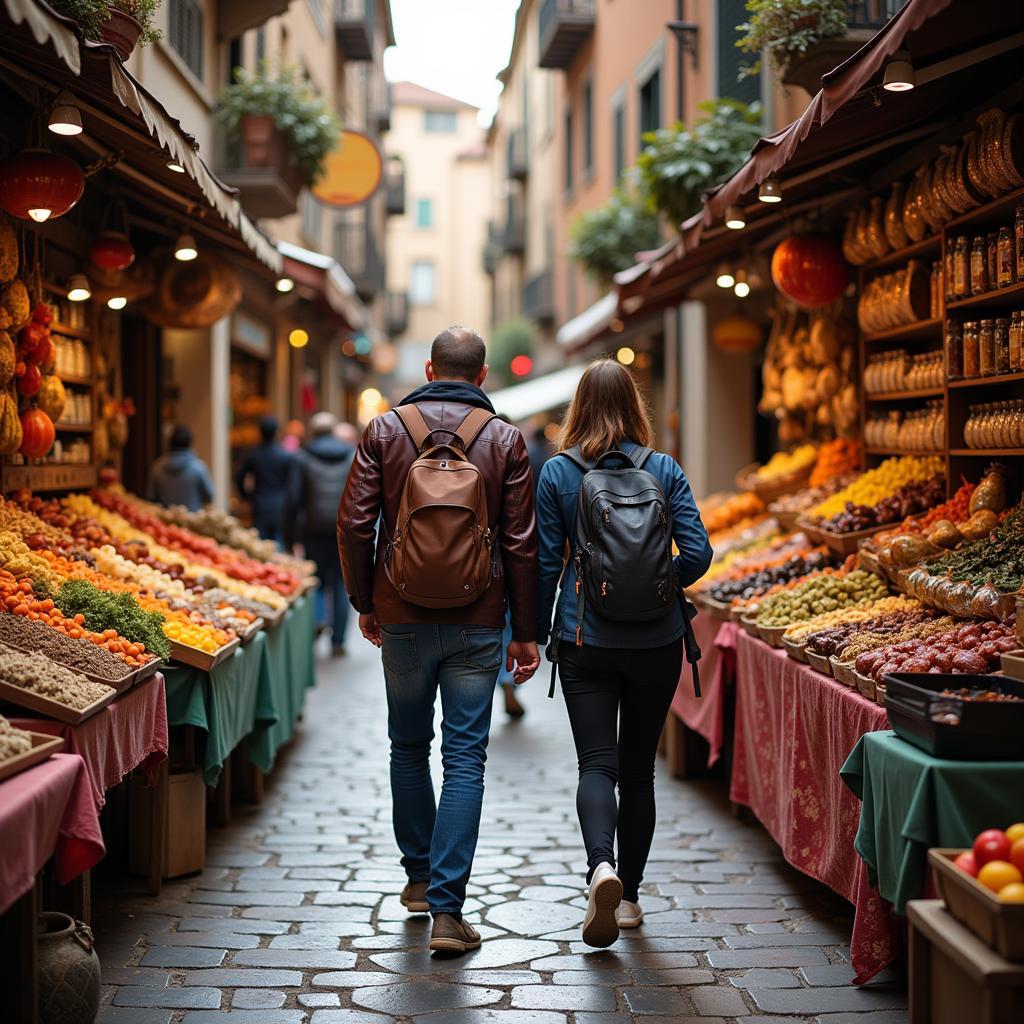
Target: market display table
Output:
[
  {"x": 705, "y": 715},
  {"x": 911, "y": 801},
  {"x": 47, "y": 811},
  {"x": 794, "y": 730}
]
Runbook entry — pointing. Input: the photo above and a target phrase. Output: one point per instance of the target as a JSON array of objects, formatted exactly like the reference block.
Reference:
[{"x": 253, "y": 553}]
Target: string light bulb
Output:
[
  {"x": 78, "y": 288},
  {"x": 735, "y": 218},
  {"x": 741, "y": 289},
  {"x": 117, "y": 302},
  {"x": 298, "y": 338},
  {"x": 284, "y": 284},
  {"x": 724, "y": 276}
]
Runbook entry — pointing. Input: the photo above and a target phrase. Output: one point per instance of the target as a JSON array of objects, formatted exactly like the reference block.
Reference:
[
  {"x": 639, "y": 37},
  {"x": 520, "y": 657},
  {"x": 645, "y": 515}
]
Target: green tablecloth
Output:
[
  {"x": 911, "y": 801},
  {"x": 257, "y": 693}
]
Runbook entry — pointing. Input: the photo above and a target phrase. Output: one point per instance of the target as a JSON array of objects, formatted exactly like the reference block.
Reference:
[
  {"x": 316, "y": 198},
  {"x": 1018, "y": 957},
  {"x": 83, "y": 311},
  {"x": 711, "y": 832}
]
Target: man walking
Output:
[
  {"x": 407, "y": 580},
  {"x": 262, "y": 480}
]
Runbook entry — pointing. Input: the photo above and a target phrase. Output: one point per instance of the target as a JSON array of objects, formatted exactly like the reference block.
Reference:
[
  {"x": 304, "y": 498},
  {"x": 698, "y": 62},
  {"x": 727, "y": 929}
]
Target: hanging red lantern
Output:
[
  {"x": 37, "y": 433},
  {"x": 112, "y": 251},
  {"x": 810, "y": 270},
  {"x": 39, "y": 185},
  {"x": 737, "y": 335}
]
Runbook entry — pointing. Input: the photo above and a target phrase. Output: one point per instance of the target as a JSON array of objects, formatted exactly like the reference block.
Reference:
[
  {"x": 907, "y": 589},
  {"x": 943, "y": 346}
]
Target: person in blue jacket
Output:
[
  {"x": 263, "y": 480},
  {"x": 180, "y": 477},
  {"x": 619, "y": 683}
]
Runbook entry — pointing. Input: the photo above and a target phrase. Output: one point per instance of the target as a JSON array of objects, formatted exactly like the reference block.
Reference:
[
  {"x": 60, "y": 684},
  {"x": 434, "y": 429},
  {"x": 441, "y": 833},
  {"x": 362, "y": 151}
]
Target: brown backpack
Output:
[{"x": 441, "y": 553}]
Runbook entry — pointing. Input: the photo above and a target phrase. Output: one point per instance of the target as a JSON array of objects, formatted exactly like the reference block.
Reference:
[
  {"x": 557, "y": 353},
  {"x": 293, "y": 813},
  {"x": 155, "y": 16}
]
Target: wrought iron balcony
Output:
[
  {"x": 353, "y": 25},
  {"x": 355, "y": 248},
  {"x": 395, "y": 188},
  {"x": 398, "y": 312},
  {"x": 539, "y": 299},
  {"x": 514, "y": 235},
  {"x": 563, "y": 27},
  {"x": 518, "y": 162},
  {"x": 492, "y": 249}
]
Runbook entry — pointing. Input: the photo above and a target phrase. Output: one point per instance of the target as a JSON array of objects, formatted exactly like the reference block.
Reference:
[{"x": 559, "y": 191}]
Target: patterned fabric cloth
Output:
[{"x": 705, "y": 715}]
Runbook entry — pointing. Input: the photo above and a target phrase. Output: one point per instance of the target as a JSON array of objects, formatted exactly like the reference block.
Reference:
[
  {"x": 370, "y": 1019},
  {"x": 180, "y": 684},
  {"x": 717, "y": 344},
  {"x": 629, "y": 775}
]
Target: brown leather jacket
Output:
[{"x": 374, "y": 488}]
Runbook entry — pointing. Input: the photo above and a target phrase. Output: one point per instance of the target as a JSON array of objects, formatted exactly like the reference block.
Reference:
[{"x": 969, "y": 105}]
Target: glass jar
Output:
[
  {"x": 987, "y": 347},
  {"x": 972, "y": 355},
  {"x": 970, "y": 424},
  {"x": 1004, "y": 259},
  {"x": 954, "y": 350},
  {"x": 1016, "y": 326},
  {"x": 949, "y": 274},
  {"x": 1002, "y": 345},
  {"x": 1018, "y": 238},
  {"x": 979, "y": 266},
  {"x": 939, "y": 427},
  {"x": 935, "y": 293},
  {"x": 961, "y": 268},
  {"x": 992, "y": 252},
  {"x": 892, "y": 430},
  {"x": 1018, "y": 422}
]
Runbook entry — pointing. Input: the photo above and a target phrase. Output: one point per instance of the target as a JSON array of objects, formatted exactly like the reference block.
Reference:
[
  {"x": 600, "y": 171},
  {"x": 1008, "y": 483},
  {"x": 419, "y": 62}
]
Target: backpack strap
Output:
[
  {"x": 640, "y": 456},
  {"x": 470, "y": 427},
  {"x": 413, "y": 421},
  {"x": 575, "y": 456}
]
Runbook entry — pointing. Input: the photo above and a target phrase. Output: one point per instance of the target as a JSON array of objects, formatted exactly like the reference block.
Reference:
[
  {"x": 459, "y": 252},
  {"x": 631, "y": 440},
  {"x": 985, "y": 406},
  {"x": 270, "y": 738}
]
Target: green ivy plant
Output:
[
  {"x": 305, "y": 118},
  {"x": 606, "y": 240},
  {"x": 679, "y": 164},
  {"x": 785, "y": 29},
  {"x": 91, "y": 14}
]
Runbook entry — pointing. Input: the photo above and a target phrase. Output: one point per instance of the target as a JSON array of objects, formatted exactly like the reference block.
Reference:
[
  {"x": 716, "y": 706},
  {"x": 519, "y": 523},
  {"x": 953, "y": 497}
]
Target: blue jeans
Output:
[
  {"x": 328, "y": 568},
  {"x": 438, "y": 842}
]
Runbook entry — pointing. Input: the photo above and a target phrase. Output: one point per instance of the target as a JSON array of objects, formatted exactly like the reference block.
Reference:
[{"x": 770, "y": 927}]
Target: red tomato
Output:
[
  {"x": 1017, "y": 855},
  {"x": 965, "y": 862},
  {"x": 991, "y": 844}
]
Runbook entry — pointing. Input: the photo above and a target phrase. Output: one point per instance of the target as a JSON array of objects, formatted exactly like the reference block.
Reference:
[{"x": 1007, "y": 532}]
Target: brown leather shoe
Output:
[
  {"x": 451, "y": 936},
  {"x": 414, "y": 897}
]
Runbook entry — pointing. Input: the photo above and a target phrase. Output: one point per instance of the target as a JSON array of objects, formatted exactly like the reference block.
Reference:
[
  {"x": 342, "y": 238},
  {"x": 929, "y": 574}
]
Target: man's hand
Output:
[
  {"x": 370, "y": 628},
  {"x": 526, "y": 659}
]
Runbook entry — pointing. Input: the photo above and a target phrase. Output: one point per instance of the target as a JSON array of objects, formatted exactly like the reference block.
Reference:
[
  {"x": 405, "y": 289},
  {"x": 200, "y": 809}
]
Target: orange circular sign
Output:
[{"x": 352, "y": 172}]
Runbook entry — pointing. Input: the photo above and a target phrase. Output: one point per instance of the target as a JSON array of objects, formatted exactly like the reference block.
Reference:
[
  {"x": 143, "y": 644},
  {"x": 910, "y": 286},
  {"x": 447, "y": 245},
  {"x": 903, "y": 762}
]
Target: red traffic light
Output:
[{"x": 521, "y": 366}]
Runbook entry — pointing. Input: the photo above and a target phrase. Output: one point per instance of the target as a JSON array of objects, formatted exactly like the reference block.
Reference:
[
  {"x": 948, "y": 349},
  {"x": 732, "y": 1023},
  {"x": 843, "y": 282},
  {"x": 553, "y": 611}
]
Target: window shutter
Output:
[{"x": 730, "y": 59}]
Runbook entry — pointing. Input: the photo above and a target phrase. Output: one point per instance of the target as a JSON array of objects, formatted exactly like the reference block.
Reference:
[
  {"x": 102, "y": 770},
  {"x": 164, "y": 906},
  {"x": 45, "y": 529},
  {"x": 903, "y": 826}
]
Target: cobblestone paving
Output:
[{"x": 296, "y": 918}]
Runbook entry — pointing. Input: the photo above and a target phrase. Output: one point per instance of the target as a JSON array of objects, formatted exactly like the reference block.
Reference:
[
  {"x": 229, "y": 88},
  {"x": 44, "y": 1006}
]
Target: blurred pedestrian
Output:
[
  {"x": 348, "y": 433},
  {"x": 262, "y": 480},
  {"x": 294, "y": 432},
  {"x": 180, "y": 477},
  {"x": 540, "y": 449},
  {"x": 311, "y": 516}
]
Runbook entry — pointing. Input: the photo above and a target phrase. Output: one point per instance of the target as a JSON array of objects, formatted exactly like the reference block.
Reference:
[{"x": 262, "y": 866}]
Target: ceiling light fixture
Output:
[
  {"x": 741, "y": 288},
  {"x": 117, "y": 302},
  {"x": 173, "y": 165},
  {"x": 65, "y": 117},
  {"x": 185, "y": 248},
  {"x": 735, "y": 218},
  {"x": 284, "y": 284},
  {"x": 770, "y": 191},
  {"x": 78, "y": 288},
  {"x": 899, "y": 73},
  {"x": 724, "y": 277}
]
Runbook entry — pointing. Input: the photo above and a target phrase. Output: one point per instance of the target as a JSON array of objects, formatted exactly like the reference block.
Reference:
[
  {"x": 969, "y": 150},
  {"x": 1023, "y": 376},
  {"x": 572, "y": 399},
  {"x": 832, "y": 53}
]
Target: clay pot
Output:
[
  {"x": 69, "y": 971},
  {"x": 260, "y": 140},
  {"x": 122, "y": 31}
]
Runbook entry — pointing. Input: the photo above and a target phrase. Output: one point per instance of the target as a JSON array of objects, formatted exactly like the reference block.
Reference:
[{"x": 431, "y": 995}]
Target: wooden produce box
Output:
[
  {"x": 796, "y": 649},
  {"x": 43, "y": 746},
  {"x": 184, "y": 828},
  {"x": 818, "y": 662},
  {"x": 1013, "y": 663},
  {"x": 52, "y": 709},
  {"x": 954, "y": 977},
  {"x": 202, "y": 659},
  {"x": 999, "y": 925}
]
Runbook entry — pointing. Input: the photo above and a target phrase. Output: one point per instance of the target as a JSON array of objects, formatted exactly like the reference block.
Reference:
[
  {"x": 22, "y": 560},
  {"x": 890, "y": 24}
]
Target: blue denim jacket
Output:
[{"x": 557, "y": 494}]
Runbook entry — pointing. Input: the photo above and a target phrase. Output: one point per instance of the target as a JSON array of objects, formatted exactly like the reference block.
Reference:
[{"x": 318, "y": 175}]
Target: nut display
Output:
[
  {"x": 822, "y": 593},
  {"x": 49, "y": 679},
  {"x": 13, "y": 741},
  {"x": 760, "y": 581}
]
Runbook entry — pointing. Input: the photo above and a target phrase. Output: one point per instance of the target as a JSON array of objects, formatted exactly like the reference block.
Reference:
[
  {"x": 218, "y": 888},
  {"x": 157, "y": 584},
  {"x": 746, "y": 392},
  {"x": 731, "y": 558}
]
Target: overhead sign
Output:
[{"x": 352, "y": 172}]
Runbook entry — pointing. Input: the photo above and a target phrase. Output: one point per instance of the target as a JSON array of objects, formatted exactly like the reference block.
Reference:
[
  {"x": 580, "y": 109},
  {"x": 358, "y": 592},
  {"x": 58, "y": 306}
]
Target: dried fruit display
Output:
[
  {"x": 783, "y": 464},
  {"x": 849, "y": 620},
  {"x": 825, "y": 592},
  {"x": 729, "y": 513},
  {"x": 915, "y": 496},
  {"x": 880, "y": 483},
  {"x": 759, "y": 581},
  {"x": 836, "y": 459}
]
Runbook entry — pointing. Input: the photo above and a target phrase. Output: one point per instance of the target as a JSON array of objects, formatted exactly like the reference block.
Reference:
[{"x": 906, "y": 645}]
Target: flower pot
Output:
[
  {"x": 122, "y": 31},
  {"x": 69, "y": 971},
  {"x": 262, "y": 143}
]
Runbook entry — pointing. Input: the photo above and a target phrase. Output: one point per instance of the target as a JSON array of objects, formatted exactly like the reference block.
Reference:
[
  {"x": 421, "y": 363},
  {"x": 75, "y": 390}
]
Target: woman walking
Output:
[{"x": 619, "y": 623}]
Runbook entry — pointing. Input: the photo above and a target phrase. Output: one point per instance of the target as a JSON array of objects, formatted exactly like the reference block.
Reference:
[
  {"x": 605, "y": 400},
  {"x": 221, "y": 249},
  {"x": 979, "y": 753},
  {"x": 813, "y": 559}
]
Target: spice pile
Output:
[
  {"x": 61, "y": 647},
  {"x": 49, "y": 679}
]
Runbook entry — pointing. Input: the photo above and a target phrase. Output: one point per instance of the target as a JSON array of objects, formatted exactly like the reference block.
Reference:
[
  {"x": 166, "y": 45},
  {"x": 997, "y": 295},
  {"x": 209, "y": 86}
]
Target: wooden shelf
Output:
[
  {"x": 85, "y": 382},
  {"x": 70, "y": 332},
  {"x": 73, "y": 428},
  {"x": 988, "y": 211},
  {"x": 908, "y": 252},
  {"x": 909, "y": 332},
  {"x": 1001, "y": 297},
  {"x": 895, "y": 396},
  {"x": 900, "y": 451},
  {"x": 985, "y": 452},
  {"x": 979, "y": 382},
  {"x": 52, "y": 477}
]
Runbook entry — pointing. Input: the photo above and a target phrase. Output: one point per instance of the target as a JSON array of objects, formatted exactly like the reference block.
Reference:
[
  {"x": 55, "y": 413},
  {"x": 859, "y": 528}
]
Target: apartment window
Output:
[
  {"x": 588, "y": 127},
  {"x": 311, "y": 218},
  {"x": 439, "y": 122},
  {"x": 422, "y": 283},
  {"x": 185, "y": 33},
  {"x": 234, "y": 58},
  {"x": 350, "y": 241},
  {"x": 650, "y": 104},
  {"x": 618, "y": 142},
  {"x": 261, "y": 46},
  {"x": 730, "y": 14},
  {"x": 569, "y": 130},
  {"x": 424, "y": 213}
]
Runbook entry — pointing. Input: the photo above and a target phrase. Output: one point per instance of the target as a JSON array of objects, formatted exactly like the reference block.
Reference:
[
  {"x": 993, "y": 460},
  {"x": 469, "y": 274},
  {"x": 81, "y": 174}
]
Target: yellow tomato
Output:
[
  {"x": 997, "y": 874},
  {"x": 1012, "y": 893},
  {"x": 1015, "y": 832}
]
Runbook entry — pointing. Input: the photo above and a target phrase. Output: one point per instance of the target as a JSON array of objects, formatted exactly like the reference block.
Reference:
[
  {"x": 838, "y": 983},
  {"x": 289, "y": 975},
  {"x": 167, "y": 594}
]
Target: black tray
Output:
[{"x": 987, "y": 732}]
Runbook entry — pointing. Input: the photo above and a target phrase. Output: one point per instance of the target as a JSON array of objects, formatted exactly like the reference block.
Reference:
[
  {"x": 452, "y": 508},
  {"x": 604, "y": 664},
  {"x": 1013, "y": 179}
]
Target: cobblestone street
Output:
[{"x": 296, "y": 919}]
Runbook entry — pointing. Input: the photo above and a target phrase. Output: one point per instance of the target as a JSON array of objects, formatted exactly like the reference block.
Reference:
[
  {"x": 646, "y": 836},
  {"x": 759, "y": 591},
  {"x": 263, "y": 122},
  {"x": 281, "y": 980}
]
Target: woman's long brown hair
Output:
[{"x": 606, "y": 410}]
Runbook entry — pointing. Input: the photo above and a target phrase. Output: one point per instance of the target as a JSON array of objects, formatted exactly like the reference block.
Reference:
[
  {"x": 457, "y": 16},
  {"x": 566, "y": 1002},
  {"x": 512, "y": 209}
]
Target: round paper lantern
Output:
[
  {"x": 39, "y": 185},
  {"x": 37, "y": 432},
  {"x": 112, "y": 251},
  {"x": 810, "y": 270},
  {"x": 736, "y": 334}
]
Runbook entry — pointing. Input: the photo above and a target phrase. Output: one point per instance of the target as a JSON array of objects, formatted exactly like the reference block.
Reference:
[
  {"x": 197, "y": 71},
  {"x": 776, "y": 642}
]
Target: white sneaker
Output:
[
  {"x": 600, "y": 927},
  {"x": 629, "y": 915}
]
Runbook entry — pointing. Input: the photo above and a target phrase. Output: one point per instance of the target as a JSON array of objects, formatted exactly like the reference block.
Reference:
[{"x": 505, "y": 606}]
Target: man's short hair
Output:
[
  {"x": 321, "y": 423},
  {"x": 268, "y": 428},
  {"x": 181, "y": 438},
  {"x": 458, "y": 353}
]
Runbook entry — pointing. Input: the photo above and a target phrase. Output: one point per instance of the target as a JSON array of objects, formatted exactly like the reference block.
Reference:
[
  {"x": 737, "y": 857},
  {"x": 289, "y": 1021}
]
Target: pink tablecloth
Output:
[
  {"x": 706, "y": 715},
  {"x": 47, "y": 811},
  {"x": 794, "y": 729},
  {"x": 130, "y": 732}
]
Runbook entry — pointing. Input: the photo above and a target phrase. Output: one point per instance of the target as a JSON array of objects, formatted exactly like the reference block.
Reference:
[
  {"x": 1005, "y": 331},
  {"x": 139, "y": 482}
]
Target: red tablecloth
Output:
[
  {"x": 706, "y": 715},
  {"x": 47, "y": 811},
  {"x": 130, "y": 732},
  {"x": 794, "y": 729}
]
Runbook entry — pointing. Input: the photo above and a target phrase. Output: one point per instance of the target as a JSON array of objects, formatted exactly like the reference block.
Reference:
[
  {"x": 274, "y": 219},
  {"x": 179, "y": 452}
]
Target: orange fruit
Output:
[
  {"x": 1017, "y": 854},
  {"x": 997, "y": 874},
  {"x": 1015, "y": 832},
  {"x": 1012, "y": 893}
]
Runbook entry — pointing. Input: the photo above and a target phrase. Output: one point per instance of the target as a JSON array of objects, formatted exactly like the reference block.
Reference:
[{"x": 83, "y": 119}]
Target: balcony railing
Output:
[
  {"x": 518, "y": 163},
  {"x": 355, "y": 248},
  {"x": 395, "y": 189},
  {"x": 563, "y": 27},
  {"x": 257, "y": 164},
  {"x": 398, "y": 312},
  {"x": 382, "y": 105},
  {"x": 514, "y": 235},
  {"x": 353, "y": 25},
  {"x": 871, "y": 13},
  {"x": 538, "y": 298},
  {"x": 492, "y": 248}
]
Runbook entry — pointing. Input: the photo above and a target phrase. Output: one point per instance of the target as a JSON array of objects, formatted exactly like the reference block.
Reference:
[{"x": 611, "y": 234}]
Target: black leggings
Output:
[{"x": 617, "y": 702}]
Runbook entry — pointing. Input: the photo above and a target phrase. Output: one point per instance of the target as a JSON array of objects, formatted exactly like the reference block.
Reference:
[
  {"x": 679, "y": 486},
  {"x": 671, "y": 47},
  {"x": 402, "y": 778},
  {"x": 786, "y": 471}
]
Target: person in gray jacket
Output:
[
  {"x": 311, "y": 517},
  {"x": 180, "y": 477}
]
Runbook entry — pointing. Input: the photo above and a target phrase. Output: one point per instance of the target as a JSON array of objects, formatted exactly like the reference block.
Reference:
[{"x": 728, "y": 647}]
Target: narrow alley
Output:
[{"x": 296, "y": 918}]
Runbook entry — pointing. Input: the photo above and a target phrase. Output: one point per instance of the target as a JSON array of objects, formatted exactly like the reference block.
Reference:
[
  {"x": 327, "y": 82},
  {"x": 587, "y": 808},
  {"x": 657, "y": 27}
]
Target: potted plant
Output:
[
  {"x": 276, "y": 117},
  {"x": 124, "y": 24},
  {"x": 787, "y": 30},
  {"x": 606, "y": 240},
  {"x": 679, "y": 164},
  {"x": 510, "y": 338}
]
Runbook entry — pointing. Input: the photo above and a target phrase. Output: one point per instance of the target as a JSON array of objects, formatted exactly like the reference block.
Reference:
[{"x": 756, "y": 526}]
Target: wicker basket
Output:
[
  {"x": 750, "y": 625},
  {"x": 769, "y": 490},
  {"x": 866, "y": 685},
  {"x": 796, "y": 649},
  {"x": 843, "y": 673},
  {"x": 772, "y": 634},
  {"x": 819, "y": 663}
]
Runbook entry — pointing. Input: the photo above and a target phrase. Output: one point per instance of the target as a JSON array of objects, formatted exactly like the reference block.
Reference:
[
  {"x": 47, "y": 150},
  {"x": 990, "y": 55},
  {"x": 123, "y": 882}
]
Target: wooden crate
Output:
[
  {"x": 52, "y": 709},
  {"x": 201, "y": 659},
  {"x": 954, "y": 977},
  {"x": 43, "y": 745},
  {"x": 185, "y": 825}
]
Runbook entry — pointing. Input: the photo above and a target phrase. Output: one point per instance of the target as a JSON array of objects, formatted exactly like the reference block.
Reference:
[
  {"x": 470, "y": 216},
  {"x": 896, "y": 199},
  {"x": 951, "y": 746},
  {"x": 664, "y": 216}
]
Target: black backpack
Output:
[{"x": 623, "y": 553}]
